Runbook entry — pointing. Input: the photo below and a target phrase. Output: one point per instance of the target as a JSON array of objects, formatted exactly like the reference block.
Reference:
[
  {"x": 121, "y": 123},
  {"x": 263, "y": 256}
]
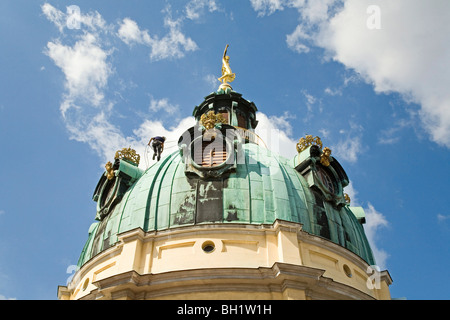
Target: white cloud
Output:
[
  {"x": 93, "y": 21},
  {"x": 85, "y": 67},
  {"x": 275, "y": 131},
  {"x": 2, "y": 212},
  {"x": 407, "y": 55},
  {"x": 295, "y": 40},
  {"x": 212, "y": 81},
  {"x": 54, "y": 15},
  {"x": 73, "y": 19},
  {"x": 101, "y": 135},
  {"x": 2, "y": 297},
  {"x": 172, "y": 45},
  {"x": 347, "y": 80},
  {"x": 374, "y": 221},
  {"x": 87, "y": 70},
  {"x": 391, "y": 135},
  {"x": 325, "y": 133},
  {"x": 267, "y": 7},
  {"x": 333, "y": 92},
  {"x": 348, "y": 149},
  {"x": 282, "y": 122},
  {"x": 442, "y": 218},
  {"x": 163, "y": 105},
  {"x": 310, "y": 100},
  {"x": 315, "y": 11},
  {"x": 312, "y": 13},
  {"x": 195, "y": 8},
  {"x": 130, "y": 33}
]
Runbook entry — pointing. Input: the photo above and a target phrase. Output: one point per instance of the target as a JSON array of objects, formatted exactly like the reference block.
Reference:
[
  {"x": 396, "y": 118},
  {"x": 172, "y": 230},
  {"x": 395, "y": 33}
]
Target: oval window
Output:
[{"x": 208, "y": 246}]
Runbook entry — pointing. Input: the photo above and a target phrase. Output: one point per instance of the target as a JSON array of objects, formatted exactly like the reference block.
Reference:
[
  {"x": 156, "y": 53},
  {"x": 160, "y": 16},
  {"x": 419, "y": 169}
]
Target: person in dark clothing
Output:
[{"x": 157, "y": 143}]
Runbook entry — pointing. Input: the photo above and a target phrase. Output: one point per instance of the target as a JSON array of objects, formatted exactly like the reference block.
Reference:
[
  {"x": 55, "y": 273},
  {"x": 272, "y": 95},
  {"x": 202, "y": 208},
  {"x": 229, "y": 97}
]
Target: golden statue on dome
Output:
[{"x": 227, "y": 75}]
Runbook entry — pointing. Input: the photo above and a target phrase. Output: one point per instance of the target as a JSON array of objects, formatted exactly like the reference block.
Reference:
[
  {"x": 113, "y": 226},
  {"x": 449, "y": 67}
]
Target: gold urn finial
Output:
[
  {"x": 227, "y": 75},
  {"x": 128, "y": 154}
]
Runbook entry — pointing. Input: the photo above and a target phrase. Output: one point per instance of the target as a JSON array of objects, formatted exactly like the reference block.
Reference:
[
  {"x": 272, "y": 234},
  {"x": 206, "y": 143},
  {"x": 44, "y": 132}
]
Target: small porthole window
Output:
[
  {"x": 208, "y": 246},
  {"x": 85, "y": 284},
  {"x": 347, "y": 271}
]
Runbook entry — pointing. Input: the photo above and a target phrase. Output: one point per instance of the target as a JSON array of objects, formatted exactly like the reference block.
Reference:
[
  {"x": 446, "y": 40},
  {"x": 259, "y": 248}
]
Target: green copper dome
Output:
[{"x": 252, "y": 185}]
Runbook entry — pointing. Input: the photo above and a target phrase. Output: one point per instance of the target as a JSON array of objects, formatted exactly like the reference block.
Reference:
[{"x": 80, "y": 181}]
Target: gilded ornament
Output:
[
  {"x": 325, "y": 157},
  {"x": 128, "y": 154},
  {"x": 227, "y": 75},
  {"x": 347, "y": 198},
  {"x": 109, "y": 170},
  {"x": 307, "y": 141},
  {"x": 210, "y": 119}
]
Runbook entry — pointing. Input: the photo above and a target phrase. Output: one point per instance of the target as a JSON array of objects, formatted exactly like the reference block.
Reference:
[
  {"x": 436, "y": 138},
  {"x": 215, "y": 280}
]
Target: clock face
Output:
[{"x": 326, "y": 179}]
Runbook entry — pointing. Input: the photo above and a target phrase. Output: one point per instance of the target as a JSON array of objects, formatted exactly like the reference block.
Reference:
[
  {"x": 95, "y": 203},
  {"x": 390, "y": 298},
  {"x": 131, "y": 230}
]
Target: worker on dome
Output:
[{"x": 157, "y": 143}]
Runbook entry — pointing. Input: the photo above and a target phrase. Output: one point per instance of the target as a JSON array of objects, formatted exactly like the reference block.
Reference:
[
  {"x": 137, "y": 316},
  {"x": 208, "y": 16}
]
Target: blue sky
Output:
[{"x": 82, "y": 79}]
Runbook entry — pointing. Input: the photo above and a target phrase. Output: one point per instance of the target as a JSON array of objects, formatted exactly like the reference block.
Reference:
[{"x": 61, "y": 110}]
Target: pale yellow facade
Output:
[{"x": 226, "y": 261}]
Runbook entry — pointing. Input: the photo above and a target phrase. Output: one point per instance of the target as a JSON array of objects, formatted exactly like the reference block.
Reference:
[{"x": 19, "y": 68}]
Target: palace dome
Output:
[{"x": 245, "y": 184}]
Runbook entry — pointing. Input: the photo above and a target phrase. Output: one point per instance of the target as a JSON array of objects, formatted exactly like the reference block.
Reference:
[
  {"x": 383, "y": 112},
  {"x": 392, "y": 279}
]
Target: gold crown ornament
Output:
[
  {"x": 128, "y": 154},
  {"x": 307, "y": 141}
]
